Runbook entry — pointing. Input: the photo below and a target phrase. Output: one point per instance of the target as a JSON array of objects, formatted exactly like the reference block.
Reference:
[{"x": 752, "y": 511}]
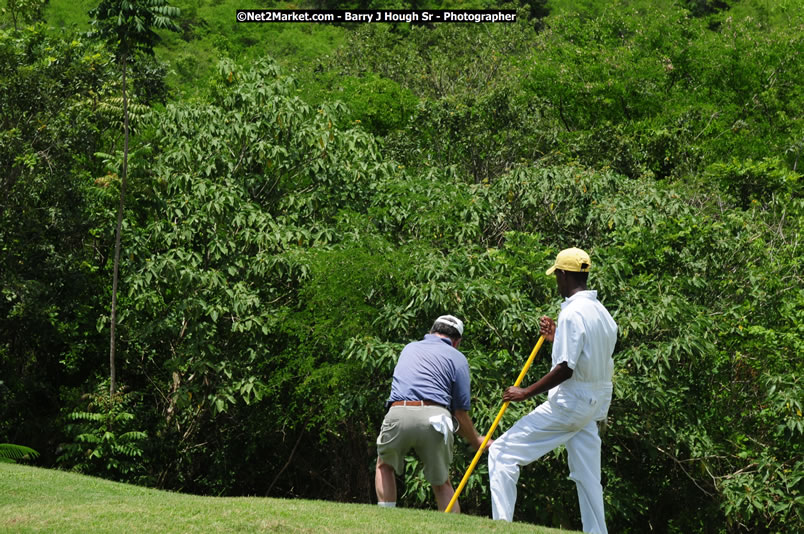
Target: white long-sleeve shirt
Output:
[{"x": 585, "y": 338}]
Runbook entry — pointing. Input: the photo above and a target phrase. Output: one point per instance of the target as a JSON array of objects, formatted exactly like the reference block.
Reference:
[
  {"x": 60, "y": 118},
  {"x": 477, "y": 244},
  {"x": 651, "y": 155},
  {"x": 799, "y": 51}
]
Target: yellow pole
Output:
[{"x": 493, "y": 428}]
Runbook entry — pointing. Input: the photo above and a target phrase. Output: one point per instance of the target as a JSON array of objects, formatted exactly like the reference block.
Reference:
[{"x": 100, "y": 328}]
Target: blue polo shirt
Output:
[{"x": 432, "y": 369}]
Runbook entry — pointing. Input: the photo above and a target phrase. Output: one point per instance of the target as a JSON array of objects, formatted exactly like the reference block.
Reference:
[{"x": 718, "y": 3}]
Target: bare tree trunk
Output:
[{"x": 118, "y": 231}]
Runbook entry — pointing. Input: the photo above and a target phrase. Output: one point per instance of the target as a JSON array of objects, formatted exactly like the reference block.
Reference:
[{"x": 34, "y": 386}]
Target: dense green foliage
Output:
[
  {"x": 54, "y": 93},
  {"x": 298, "y": 220}
]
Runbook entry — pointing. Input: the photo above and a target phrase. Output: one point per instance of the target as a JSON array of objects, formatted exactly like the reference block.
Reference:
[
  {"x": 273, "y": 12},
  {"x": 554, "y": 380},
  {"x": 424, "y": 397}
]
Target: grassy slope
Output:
[
  {"x": 212, "y": 32},
  {"x": 42, "y": 500}
]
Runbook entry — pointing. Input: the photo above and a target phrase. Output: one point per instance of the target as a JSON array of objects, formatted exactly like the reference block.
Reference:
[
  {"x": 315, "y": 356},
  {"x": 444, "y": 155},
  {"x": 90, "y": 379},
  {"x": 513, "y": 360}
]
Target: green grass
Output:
[
  {"x": 210, "y": 32},
  {"x": 73, "y": 14},
  {"x": 43, "y": 500}
]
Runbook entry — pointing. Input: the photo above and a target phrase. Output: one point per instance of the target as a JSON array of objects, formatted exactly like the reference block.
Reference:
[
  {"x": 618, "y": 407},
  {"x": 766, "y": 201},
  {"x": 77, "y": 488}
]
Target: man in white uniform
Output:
[{"x": 579, "y": 386}]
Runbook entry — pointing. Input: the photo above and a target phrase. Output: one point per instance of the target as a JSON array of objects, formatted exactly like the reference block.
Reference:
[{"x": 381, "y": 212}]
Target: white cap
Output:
[{"x": 451, "y": 320}]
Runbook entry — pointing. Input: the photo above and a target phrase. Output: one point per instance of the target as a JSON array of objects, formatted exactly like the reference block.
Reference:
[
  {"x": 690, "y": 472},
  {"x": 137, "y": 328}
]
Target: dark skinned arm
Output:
[{"x": 558, "y": 374}]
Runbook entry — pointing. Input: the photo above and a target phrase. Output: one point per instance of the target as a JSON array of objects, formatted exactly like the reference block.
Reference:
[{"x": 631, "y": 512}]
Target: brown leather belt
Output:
[{"x": 417, "y": 403}]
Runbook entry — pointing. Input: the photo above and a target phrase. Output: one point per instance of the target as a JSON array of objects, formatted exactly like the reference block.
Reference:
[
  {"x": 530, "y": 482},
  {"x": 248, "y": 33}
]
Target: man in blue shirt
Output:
[
  {"x": 430, "y": 386},
  {"x": 579, "y": 394}
]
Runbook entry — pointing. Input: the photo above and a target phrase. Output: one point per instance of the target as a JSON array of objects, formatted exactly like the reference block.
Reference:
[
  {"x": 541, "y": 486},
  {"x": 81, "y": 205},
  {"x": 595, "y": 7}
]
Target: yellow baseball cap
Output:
[{"x": 571, "y": 259}]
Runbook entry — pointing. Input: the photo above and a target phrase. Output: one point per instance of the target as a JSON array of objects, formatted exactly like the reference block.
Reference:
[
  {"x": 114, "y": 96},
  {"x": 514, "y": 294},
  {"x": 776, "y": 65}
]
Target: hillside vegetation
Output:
[{"x": 303, "y": 200}]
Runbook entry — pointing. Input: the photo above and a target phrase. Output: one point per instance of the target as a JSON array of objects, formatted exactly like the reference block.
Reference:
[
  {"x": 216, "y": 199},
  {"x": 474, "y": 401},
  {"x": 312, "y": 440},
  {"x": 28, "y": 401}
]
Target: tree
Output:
[
  {"x": 24, "y": 11},
  {"x": 127, "y": 26}
]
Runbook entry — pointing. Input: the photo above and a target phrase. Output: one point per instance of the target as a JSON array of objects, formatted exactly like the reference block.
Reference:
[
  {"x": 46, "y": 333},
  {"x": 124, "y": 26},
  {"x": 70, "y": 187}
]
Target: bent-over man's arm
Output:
[{"x": 467, "y": 429}]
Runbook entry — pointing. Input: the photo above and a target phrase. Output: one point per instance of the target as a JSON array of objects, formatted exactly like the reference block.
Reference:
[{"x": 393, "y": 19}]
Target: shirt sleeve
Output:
[
  {"x": 569, "y": 339},
  {"x": 461, "y": 388}
]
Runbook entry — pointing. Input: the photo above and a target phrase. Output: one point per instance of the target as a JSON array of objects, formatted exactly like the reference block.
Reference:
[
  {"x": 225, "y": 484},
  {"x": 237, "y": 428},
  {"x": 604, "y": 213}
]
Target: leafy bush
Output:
[
  {"x": 104, "y": 438},
  {"x": 378, "y": 104}
]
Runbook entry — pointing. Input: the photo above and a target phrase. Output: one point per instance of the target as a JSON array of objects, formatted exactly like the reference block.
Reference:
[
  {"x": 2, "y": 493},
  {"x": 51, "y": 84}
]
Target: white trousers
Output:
[{"x": 538, "y": 433}]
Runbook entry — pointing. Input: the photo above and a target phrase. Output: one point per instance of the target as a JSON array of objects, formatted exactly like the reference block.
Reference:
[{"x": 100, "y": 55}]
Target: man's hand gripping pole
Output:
[{"x": 493, "y": 428}]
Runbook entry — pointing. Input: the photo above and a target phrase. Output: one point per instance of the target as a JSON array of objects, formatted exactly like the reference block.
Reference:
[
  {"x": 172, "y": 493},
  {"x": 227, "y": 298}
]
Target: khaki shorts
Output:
[{"x": 406, "y": 427}]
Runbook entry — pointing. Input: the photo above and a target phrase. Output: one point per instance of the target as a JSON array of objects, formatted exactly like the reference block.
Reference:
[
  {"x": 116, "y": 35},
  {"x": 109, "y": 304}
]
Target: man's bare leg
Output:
[
  {"x": 385, "y": 483},
  {"x": 443, "y": 495}
]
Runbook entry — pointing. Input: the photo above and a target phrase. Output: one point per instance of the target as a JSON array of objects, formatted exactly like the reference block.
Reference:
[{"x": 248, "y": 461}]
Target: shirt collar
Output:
[
  {"x": 433, "y": 337},
  {"x": 590, "y": 294}
]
